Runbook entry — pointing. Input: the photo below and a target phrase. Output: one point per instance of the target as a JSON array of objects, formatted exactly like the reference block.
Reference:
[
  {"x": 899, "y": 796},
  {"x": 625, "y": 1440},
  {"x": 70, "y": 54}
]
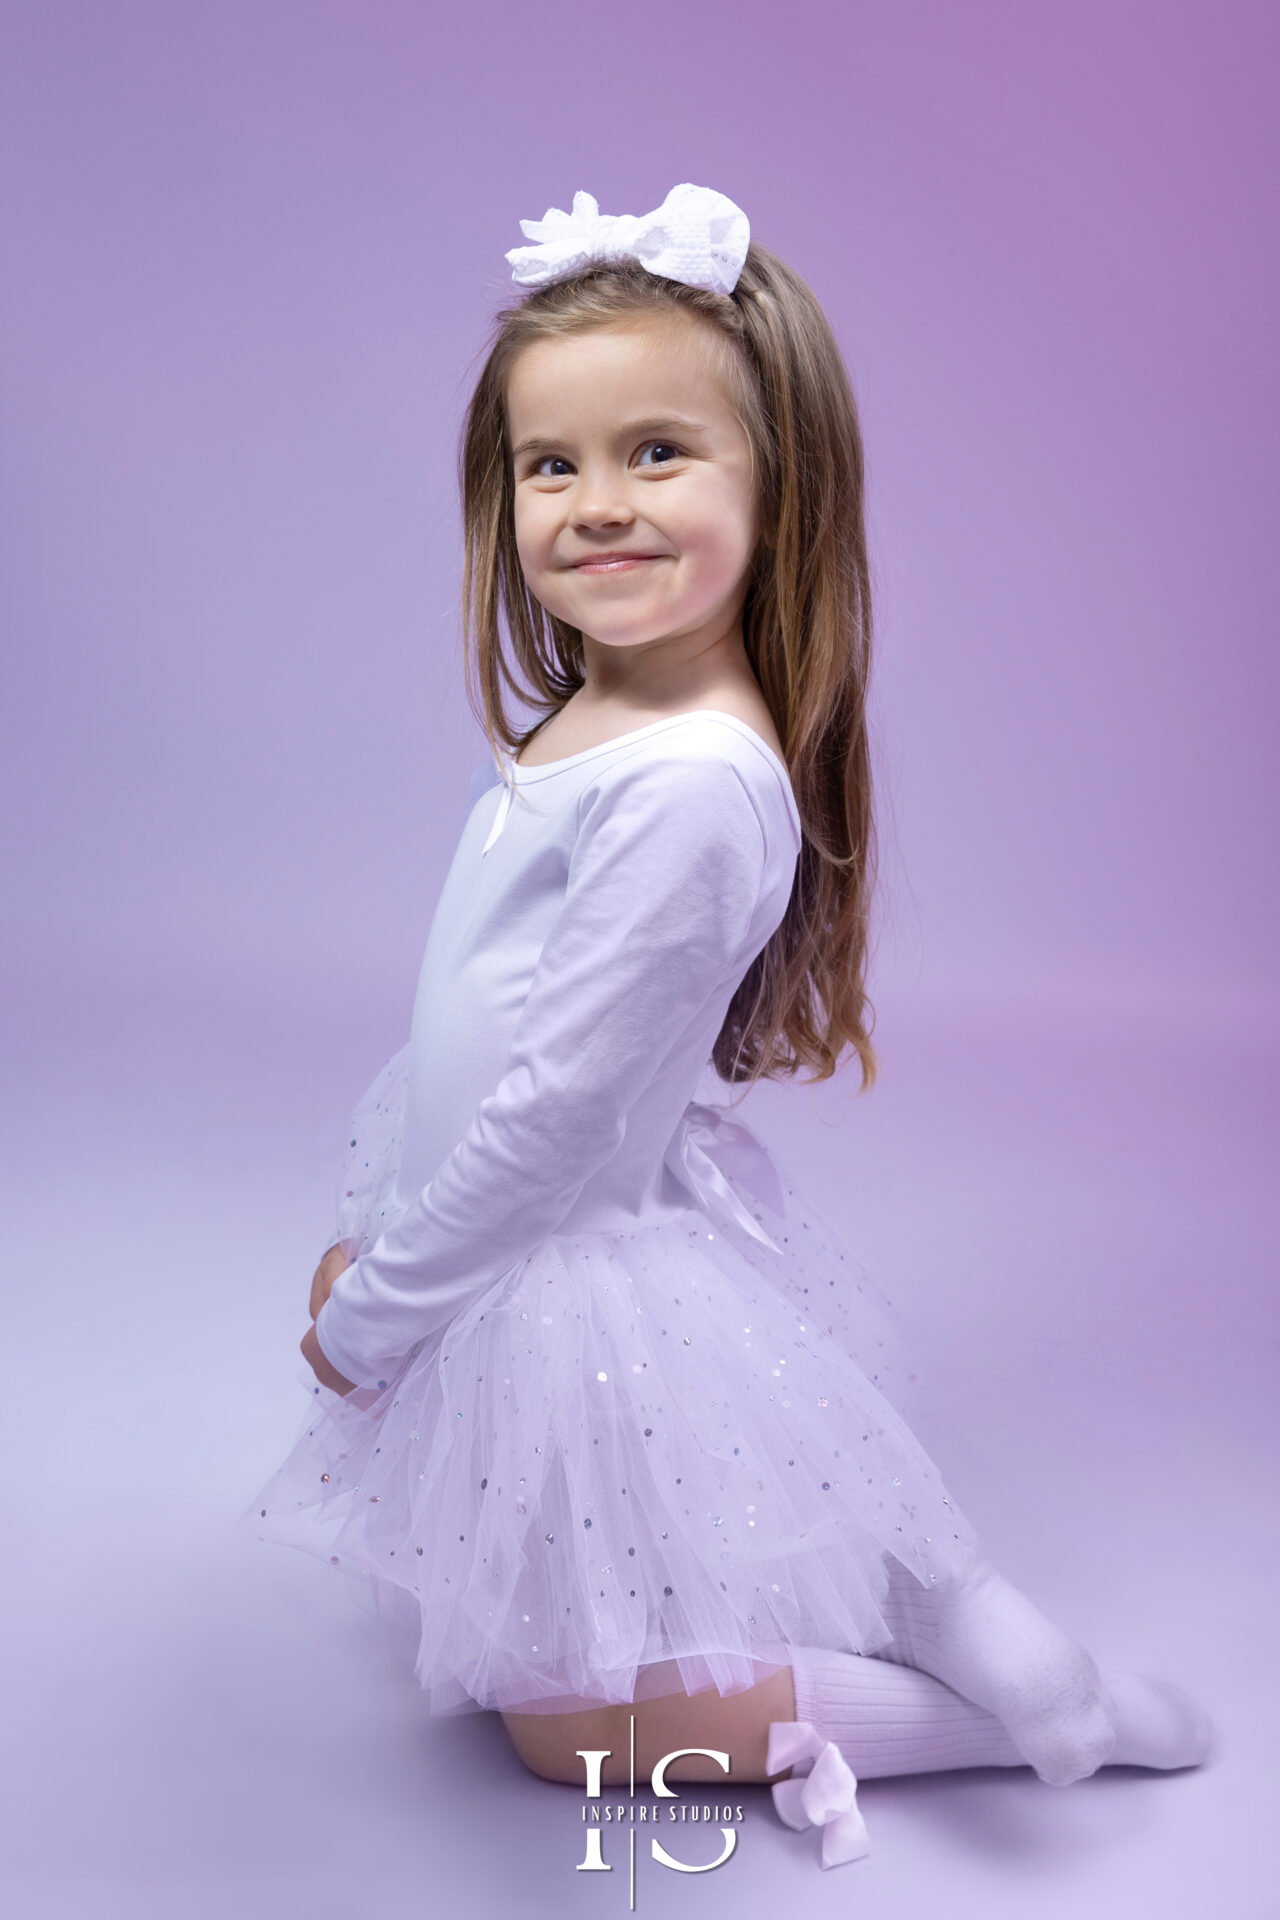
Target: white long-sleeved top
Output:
[{"x": 597, "y": 918}]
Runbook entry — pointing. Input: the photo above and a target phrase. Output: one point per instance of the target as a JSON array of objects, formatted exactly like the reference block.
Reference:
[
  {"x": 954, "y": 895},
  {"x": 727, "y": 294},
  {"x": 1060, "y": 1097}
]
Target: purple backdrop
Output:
[{"x": 250, "y": 251}]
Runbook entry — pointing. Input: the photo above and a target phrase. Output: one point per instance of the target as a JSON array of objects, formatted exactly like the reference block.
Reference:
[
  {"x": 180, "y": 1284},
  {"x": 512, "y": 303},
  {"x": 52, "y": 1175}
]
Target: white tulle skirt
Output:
[{"x": 638, "y": 1462}]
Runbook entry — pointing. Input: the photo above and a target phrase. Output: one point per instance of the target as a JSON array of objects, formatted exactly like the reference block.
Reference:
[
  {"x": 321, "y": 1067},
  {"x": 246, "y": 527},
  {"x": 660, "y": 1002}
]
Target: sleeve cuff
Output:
[{"x": 361, "y": 1373}]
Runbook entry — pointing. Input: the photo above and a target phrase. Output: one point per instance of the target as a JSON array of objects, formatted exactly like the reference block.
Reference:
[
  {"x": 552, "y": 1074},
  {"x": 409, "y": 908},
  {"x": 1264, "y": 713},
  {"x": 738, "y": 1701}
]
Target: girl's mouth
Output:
[{"x": 614, "y": 562}]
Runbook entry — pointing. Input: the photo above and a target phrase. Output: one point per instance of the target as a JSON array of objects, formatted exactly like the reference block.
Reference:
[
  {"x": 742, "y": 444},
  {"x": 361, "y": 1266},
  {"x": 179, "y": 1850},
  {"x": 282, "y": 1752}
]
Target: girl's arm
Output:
[{"x": 663, "y": 884}]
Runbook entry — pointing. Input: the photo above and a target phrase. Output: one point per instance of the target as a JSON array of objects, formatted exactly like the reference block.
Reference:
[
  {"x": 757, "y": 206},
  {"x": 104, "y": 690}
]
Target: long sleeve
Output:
[{"x": 663, "y": 880}]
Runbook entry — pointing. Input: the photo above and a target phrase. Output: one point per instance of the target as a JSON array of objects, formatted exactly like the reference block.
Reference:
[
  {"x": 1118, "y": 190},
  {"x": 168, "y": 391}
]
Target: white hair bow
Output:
[{"x": 696, "y": 235}]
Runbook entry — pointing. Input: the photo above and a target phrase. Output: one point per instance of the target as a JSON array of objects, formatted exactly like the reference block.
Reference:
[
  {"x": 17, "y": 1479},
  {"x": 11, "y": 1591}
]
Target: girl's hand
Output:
[
  {"x": 334, "y": 1262},
  {"x": 327, "y": 1374}
]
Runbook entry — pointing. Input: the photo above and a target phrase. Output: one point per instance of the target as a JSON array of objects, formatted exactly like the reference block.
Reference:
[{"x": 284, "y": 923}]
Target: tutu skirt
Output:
[{"x": 664, "y": 1454}]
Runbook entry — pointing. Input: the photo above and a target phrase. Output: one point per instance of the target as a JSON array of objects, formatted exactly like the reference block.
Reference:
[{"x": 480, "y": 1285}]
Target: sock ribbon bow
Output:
[{"x": 825, "y": 1795}]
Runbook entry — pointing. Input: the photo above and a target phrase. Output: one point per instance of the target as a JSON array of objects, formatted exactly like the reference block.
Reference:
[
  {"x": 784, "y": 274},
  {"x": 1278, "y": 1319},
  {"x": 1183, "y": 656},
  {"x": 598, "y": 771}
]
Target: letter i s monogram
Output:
[{"x": 595, "y": 1861}]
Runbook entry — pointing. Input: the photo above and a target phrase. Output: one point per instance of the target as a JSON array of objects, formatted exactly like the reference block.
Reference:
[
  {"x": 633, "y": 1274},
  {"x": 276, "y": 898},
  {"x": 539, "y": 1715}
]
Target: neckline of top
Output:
[{"x": 521, "y": 774}]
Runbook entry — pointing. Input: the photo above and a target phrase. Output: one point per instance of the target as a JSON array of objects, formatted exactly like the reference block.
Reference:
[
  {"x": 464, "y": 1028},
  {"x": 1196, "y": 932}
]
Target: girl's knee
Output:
[
  {"x": 540, "y": 1759},
  {"x": 548, "y": 1743}
]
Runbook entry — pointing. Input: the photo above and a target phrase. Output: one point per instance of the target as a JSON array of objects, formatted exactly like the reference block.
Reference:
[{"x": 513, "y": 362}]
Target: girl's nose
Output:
[{"x": 599, "y": 501}]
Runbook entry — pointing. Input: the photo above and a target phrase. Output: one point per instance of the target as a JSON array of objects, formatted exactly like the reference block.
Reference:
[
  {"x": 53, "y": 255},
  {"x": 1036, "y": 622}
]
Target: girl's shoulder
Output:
[
  {"x": 703, "y": 738},
  {"x": 703, "y": 758}
]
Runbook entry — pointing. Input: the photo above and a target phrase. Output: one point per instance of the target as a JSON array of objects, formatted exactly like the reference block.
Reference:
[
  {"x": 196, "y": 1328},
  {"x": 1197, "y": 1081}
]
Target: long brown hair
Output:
[{"x": 806, "y": 624}]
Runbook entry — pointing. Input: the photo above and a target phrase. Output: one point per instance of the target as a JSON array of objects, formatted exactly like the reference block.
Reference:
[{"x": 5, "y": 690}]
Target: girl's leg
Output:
[
  {"x": 889, "y": 1719},
  {"x": 985, "y": 1639},
  {"x": 548, "y": 1742},
  {"x": 885, "y": 1718},
  {"x": 736, "y": 1724}
]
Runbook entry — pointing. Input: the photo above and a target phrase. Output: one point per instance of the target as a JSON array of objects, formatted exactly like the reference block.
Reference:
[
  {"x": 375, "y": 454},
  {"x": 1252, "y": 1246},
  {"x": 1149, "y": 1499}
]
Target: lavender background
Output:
[{"x": 249, "y": 252}]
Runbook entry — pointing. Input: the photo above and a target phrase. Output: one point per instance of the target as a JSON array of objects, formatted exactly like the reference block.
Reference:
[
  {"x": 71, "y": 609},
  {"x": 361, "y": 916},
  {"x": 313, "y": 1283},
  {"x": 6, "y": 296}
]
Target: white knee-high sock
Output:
[
  {"x": 888, "y": 1719},
  {"x": 985, "y": 1639}
]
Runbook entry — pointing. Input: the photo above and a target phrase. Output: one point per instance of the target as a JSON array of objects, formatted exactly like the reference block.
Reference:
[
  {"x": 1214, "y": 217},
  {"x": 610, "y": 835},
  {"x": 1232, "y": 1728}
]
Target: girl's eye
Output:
[
  {"x": 551, "y": 460},
  {"x": 657, "y": 447}
]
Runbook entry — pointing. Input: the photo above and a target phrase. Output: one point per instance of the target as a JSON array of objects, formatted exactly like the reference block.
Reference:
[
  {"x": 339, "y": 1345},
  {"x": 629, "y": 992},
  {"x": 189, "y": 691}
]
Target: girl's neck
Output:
[
  {"x": 610, "y": 703},
  {"x": 665, "y": 677}
]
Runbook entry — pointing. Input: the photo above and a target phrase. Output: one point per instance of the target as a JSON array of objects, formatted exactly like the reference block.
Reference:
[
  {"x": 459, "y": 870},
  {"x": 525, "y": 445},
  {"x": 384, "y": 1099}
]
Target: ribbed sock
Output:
[{"x": 889, "y": 1719}]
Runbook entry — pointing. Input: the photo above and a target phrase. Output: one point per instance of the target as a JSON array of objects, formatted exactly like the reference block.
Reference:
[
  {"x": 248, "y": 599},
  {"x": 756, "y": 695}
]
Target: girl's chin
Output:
[{"x": 629, "y": 627}]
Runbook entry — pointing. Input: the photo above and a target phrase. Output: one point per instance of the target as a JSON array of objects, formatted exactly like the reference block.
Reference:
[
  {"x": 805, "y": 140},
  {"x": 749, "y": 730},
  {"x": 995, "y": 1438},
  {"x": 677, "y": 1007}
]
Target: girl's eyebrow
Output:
[{"x": 628, "y": 431}]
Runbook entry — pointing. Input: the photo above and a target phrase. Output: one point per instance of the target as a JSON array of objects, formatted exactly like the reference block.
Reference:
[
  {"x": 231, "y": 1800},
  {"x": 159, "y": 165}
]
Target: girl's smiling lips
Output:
[{"x": 611, "y": 562}]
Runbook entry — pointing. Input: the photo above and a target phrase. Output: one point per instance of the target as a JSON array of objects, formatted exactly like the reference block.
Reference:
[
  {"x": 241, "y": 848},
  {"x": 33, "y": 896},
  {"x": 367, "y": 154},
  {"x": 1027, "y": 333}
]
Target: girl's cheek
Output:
[
  {"x": 532, "y": 541},
  {"x": 722, "y": 544}
]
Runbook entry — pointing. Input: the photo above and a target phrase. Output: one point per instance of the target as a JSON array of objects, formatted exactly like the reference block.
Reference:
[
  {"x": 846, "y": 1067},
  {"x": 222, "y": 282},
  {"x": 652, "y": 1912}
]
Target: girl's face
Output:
[{"x": 635, "y": 509}]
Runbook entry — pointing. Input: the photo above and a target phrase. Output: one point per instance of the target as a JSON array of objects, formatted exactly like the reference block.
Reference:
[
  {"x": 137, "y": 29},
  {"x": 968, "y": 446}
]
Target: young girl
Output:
[{"x": 592, "y": 1381}]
